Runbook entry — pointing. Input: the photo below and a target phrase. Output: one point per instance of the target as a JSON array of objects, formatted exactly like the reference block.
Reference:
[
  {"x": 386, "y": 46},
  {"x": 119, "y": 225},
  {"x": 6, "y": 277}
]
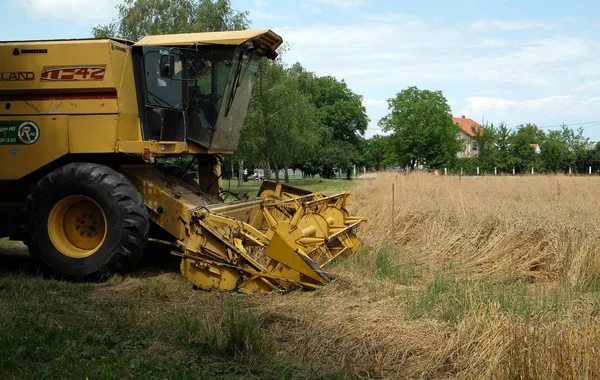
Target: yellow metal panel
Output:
[
  {"x": 209, "y": 277},
  {"x": 159, "y": 148},
  {"x": 155, "y": 147},
  {"x": 57, "y": 55},
  {"x": 129, "y": 128},
  {"x": 122, "y": 69},
  {"x": 92, "y": 134},
  {"x": 21, "y": 158},
  {"x": 150, "y": 183},
  {"x": 60, "y": 106},
  {"x": 89, "y": 74},
  {"x": 284, "y": 252},
  {"x": 196, "y": 149}
]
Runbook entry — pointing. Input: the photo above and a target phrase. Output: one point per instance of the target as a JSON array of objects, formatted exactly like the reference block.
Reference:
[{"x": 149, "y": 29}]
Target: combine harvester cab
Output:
[{"x": 87, "y": 128}]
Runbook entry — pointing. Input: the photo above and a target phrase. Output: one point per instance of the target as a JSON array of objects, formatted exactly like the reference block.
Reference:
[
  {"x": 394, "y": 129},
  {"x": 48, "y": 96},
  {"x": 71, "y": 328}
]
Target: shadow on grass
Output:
[
  {"x": 15, "y": 259},
  {"x": 156, "y": 260}
]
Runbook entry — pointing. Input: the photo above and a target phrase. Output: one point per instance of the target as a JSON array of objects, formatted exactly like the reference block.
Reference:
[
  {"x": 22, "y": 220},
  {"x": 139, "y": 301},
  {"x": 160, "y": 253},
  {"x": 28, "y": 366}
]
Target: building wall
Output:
[{"x": 469, "y": 147}]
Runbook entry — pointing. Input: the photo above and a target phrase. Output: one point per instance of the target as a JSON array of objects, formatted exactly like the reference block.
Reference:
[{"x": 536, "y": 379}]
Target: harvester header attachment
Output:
[{"x": 281, "y": 240}]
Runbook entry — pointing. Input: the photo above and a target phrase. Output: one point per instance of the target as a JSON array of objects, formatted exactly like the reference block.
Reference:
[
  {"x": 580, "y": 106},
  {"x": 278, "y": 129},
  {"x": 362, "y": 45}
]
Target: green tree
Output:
[
  {"x": 554, "y": 152},
  {"x": 306, "y": 80},
  {"x": 139, "y": 18},
  {"x": 282, "y": 126},
  {"x": 423, "y": 131},
  {"x": 378, "y": 152},
  {"x": 504, "y": 161},
  {"x": 342, "y": 121},
  {"x": 524, "y": 155},
  {"x": 340, "y": 109},
  {"x": 578, "y": 154},
  {"x": 486, "y": 143},
  {"x": 595, "y": 157},
  {"x": 340, "y": 155}
]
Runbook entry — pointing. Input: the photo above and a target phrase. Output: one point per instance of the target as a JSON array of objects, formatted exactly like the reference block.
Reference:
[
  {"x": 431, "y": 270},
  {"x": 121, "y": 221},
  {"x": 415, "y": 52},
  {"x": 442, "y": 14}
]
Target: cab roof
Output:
[{"x": 266, "y": 37}]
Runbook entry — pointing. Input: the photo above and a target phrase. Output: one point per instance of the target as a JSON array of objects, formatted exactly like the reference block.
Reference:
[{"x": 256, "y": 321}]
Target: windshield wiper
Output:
[
  {"x": 234, "y": 87},
  {"x": 245, "y": 63}
]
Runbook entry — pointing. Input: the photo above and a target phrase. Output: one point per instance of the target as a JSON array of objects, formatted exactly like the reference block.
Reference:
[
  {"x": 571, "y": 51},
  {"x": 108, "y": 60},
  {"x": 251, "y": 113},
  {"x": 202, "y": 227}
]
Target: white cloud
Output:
[
  {"x": 264, "y": 15},
  {"x": 548, "y": 110},
  {"x": 314, "y": 6},
  {"x": 81, "y": 11},
  {"x": 344, "y": 4},
  {"x": 311, "y": 7},
  {"x": 589, "y": 86},
  {"x": 507, "y": 25},
  {"x": 260, "y": 3},
  {"x": 374, "y": 102},
  {"x": 415, "y": 51},
  {"x": 386, "y": 53},
  {"x": 482, "y": 104}
]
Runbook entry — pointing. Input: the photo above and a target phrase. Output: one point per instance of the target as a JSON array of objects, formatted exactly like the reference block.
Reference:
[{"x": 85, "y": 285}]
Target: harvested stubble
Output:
[{"x": 485, "y": 278}]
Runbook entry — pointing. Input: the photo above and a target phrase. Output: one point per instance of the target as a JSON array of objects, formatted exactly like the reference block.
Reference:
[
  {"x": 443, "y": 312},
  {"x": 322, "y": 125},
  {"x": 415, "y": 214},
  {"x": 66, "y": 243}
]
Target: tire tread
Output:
[{"x": 134, "y": 214}]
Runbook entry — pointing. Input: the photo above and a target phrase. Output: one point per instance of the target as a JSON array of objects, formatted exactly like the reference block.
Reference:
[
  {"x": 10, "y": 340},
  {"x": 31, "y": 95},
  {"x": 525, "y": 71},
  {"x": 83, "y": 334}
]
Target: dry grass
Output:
[
  {"x": 524, "y": 227},
  {"x": 482, "y": 278}
]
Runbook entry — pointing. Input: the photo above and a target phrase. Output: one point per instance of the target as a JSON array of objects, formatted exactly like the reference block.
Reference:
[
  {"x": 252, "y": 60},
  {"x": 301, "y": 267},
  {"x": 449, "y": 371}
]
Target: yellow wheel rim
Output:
[{"x": 77, "y": 226}]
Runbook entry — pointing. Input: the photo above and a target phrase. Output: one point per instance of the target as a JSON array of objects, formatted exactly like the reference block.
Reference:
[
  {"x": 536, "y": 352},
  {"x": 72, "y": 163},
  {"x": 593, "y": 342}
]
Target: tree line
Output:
[
  {"x": 299, "y": 120},
  {"x": 422, "y": 133}
]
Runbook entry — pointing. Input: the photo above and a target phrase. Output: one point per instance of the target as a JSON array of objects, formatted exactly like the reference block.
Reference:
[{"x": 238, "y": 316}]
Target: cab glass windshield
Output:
[{"x": 203, "y": 84}]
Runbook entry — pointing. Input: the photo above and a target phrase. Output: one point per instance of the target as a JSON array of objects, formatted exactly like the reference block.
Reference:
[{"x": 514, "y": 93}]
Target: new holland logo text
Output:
[
  {"x": 17, "y": 75},
  {"x": 62, "y": 73}
]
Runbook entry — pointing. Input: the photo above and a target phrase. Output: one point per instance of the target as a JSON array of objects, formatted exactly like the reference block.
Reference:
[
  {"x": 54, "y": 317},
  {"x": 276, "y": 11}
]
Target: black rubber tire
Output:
[
  {"x": 176, "y": 171},
  {"x": 126, "y": 216}
]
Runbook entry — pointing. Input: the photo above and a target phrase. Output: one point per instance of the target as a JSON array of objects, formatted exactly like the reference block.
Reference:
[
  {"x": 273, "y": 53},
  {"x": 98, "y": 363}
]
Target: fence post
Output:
[
  {"x": 495, "y": 170},
  {"x": 393, "y": 212},
  {"x": 513, "y": 171},
  {"x": 590, "y": 170},
  {"x": 445, "y": 171},
  {"x": 532, "y": 170},
  {"x": 461, "y": 172},
  {"x": 569, "y": 170},
  {"x": 478, "y": 170}
]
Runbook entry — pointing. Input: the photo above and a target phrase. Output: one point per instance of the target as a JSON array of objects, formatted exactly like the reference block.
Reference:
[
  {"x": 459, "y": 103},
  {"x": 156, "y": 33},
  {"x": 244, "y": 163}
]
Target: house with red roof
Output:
[
  {"x": 469, "y": 128},
  {"x": 536, "y": 147}
]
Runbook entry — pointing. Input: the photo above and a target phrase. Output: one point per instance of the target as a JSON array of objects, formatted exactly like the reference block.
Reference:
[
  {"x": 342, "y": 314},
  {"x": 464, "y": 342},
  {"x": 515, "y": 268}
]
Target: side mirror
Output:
[{"x": 167, "y": 66}]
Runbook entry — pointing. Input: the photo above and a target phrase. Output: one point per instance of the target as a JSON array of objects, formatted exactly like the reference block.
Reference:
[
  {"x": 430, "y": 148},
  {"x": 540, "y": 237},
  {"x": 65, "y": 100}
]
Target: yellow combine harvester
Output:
[{"x": 81, "y": 125}]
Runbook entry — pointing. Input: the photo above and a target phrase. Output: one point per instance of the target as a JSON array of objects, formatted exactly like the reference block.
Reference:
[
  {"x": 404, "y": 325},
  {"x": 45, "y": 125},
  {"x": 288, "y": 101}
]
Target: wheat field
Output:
[{"x": 494, "y": 277}]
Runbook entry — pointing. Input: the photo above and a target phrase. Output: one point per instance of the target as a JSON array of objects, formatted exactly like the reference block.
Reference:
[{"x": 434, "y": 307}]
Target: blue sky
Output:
[{"x": 512, "y": 61}]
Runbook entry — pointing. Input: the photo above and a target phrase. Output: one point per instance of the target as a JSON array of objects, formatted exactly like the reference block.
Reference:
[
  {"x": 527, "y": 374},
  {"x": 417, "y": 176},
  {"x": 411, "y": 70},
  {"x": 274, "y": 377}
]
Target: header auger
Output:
[{"x": 82, "y": 126}]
